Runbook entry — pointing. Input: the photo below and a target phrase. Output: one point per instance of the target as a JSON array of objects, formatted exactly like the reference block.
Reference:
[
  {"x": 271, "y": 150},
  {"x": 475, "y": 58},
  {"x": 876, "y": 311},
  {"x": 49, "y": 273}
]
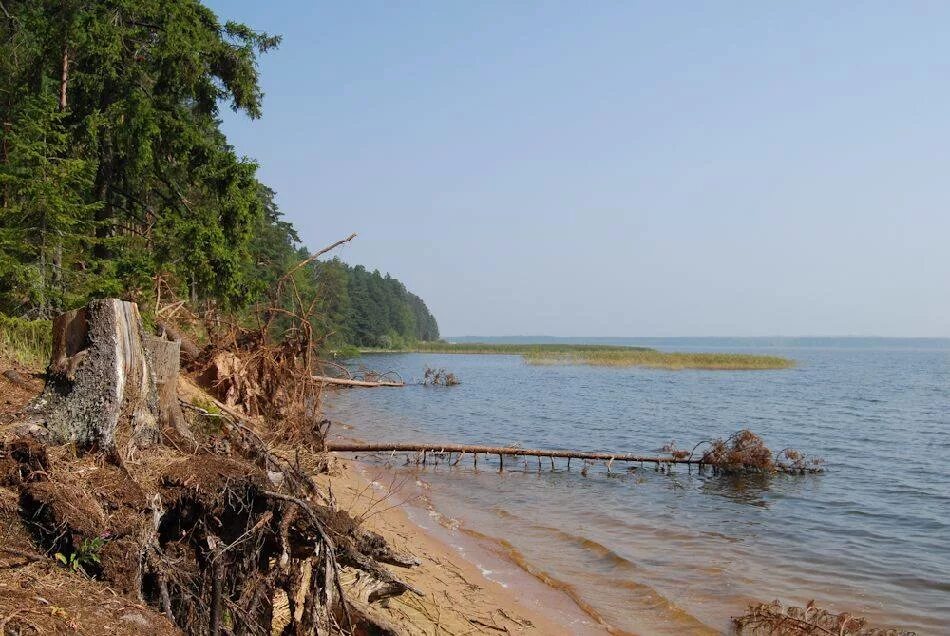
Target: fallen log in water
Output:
[
  {"x": 787, "y": 461},
  {"x": 395, "y": 447},
  {"x": 326, "y": 379}
]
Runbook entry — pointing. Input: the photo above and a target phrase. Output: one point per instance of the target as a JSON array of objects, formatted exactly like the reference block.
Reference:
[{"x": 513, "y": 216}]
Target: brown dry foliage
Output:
[
  {"x": 776, "y": 619},
  {"x": 746, "y": 452},
  {"x": 439, "y": 377},
  {"x": 266, "y": 370},
  {"x": 743, "y": 451}
]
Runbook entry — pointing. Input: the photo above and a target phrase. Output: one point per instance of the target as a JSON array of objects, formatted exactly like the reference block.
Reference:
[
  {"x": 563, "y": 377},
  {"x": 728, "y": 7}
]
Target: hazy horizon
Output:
[{"x": 705, "y": 168}]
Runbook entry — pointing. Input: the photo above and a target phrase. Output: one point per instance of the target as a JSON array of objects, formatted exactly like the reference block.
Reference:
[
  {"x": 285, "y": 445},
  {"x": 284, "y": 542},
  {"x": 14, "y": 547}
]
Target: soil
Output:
[
  {"x": 53, "y": 500},
  {"x": 38, "y": 594}
]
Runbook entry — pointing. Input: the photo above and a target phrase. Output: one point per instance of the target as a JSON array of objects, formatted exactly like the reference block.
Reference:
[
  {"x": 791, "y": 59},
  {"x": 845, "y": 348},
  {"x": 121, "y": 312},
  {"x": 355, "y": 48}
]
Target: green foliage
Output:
[
  {"x": 519, "y": 349},
  {"x": 663, "y": 360},
  {"x": 26, "y": 341},
  {"x": 133, "y": 163},
  {"x": 86, "y": 556},
  {"x": 383, "y": 313},
  {"x": 115, "y": 176},
  {"x": 45, "y": 214}
]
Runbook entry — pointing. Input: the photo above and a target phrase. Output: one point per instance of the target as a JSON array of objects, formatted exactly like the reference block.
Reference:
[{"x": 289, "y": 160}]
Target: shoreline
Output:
[{"x": 466, "y": 588}]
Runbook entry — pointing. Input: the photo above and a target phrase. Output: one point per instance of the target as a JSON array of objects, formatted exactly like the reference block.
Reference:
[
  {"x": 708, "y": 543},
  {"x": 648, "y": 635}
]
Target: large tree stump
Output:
[{"x": 101, "y": 392}]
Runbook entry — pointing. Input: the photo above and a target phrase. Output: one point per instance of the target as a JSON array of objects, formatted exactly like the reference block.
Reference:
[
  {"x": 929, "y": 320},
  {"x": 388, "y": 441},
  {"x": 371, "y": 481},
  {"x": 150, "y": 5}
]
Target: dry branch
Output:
[
  {"x": 325, "y": 379},
  {"x": 731, "y": 462},
  {"x": 414, "y": 447},
  {"x": 317, "y": 255}
]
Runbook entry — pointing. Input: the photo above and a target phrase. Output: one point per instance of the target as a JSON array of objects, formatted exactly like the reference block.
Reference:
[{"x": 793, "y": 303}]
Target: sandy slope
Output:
[{"x": 457, "y": 599}]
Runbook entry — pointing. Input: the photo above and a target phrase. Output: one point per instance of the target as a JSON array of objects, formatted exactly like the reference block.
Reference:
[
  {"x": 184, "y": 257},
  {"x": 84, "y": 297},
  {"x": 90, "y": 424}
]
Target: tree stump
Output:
[
  {"x": 101, "y": 391},
  {"x": 165, "y": 356}
]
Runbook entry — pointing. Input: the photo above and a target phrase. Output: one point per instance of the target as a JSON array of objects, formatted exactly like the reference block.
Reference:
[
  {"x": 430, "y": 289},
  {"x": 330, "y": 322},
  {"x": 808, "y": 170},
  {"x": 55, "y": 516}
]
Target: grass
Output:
[
  {"x": 612, "y": 356},
  {"x": 662, "y": 360},
  {"x": 26, "y": 341}
]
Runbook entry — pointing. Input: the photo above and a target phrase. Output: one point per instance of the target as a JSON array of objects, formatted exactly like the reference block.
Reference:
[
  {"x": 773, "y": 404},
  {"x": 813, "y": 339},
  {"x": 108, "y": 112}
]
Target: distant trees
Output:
[
  {"x": 116, "y": 179},
  {"x": 368, "y": 309}
]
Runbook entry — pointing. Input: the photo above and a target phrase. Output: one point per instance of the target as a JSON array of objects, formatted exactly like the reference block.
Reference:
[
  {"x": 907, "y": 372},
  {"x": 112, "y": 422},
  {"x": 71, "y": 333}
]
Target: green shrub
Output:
[{"x": 26, "y": 341}]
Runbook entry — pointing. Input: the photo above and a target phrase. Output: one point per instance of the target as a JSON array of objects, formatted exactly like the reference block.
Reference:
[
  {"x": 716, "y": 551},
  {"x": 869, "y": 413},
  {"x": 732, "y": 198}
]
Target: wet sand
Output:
[{"x": 466, "y": 589}]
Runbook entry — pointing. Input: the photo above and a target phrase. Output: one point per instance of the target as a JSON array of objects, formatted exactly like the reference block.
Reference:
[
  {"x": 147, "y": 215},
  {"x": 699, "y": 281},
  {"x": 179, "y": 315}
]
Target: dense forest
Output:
[
  {"x": 117, "y": 180},
  {"x": 371, "y": 310}
]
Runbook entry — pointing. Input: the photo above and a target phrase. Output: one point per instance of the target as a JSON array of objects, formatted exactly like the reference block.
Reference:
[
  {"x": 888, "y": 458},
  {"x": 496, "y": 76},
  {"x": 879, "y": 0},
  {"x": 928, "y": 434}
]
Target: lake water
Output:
[{"x": 648, "y": 552}]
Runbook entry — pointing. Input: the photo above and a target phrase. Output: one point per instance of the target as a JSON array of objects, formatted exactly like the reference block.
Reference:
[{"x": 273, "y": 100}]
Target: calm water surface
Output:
[{"x": 682, "y": 553}]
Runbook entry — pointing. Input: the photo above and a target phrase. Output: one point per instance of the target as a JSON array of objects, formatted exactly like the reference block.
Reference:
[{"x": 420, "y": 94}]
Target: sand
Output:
[{"x": 458, "y": 598}]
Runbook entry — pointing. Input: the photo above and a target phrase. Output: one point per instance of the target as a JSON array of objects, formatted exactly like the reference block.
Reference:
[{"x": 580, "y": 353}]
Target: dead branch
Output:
[
  {"x": 415, "y": 447},
  {"x": 730, "y": 462},
  {"x": 317, "y": 255},
  {"x": 325, "y": 379}
]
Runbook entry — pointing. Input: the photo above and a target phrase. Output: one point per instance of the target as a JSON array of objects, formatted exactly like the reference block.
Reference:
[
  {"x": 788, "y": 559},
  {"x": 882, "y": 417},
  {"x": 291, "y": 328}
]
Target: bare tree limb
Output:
[{"x": 316, "y": 255}]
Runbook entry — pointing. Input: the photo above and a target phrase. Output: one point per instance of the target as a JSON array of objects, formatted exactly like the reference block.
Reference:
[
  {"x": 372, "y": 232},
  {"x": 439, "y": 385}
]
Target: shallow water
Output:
[{"x": 682, "y": 553}]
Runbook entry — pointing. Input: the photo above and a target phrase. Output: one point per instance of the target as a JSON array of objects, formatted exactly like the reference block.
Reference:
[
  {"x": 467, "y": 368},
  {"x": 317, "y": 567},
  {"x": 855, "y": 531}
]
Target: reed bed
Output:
[
  {"x": 612, "y": 356},
  {"x": 662, "y": 360}
]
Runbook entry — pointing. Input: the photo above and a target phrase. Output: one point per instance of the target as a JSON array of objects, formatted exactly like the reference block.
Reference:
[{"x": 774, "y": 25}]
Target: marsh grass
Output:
[
  {"x": 26, "y": 341},
  {"x": 661, "y": 360},
  {"x": 612, "y": 356}
]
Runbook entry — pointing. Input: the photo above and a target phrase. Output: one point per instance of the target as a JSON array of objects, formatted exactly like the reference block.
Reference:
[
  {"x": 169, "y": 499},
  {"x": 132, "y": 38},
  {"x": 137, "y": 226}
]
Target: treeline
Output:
[
  {"x": 368, "y": 309},
  {"x": 116, "y": 179}
]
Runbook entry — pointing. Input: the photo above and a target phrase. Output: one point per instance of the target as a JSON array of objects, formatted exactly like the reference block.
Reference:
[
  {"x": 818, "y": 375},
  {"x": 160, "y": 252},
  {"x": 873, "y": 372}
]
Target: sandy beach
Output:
[{"x": 457, "y": 597}]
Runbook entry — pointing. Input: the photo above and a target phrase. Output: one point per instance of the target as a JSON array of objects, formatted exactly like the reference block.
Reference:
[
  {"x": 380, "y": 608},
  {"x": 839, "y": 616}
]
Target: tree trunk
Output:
[
  {"x": 166, "y": 363},
  {"x": 63, "y": 80},
  {"x": 101, "y": 392},
  {"x": 189, "y": 350}
]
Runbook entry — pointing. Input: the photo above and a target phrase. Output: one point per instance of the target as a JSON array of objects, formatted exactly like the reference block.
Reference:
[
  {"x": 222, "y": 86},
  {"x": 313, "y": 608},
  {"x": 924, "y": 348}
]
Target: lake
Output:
[{"x": 679, "y": 553}]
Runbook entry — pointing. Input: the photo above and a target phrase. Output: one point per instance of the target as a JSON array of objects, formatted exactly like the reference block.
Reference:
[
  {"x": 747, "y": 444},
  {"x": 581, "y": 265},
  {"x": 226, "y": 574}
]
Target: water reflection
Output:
[{"x": 750, "y": 489}]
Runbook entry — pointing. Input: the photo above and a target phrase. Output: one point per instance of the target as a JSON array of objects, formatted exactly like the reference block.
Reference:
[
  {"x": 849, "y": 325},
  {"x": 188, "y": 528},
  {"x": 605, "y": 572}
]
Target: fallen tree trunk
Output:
[
  {"x": 347, "y": 447},
  {"x": 758, "y": 458},
  {"x": 345, "y": 382},
  {"x": 189, "y": 351}
]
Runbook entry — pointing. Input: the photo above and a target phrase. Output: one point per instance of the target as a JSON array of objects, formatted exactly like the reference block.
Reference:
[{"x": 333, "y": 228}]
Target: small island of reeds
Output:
[{"x": 612, "y": 356}]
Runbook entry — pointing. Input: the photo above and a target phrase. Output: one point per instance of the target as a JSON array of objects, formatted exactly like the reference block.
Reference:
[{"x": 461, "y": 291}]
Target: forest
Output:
[{"x": 117, "y": 180}]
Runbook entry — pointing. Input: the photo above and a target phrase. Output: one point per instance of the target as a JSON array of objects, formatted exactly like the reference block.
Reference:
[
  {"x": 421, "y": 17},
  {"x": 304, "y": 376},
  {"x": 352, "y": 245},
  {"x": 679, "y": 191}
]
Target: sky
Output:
[{"x": 620, "y": 168}]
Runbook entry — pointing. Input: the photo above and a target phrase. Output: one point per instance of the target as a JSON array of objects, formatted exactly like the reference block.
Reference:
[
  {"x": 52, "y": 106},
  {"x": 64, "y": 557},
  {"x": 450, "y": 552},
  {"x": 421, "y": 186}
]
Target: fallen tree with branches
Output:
[{"x": 742, "y": 452}]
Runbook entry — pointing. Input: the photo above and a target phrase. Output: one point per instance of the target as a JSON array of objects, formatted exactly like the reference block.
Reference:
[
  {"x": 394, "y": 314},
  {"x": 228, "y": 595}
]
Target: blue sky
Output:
[{"x": 621, "y": 168}]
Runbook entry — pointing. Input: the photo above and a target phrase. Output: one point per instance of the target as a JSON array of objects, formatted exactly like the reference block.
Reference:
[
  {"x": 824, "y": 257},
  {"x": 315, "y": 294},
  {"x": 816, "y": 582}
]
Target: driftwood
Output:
[
  {"x": 347, "y": 447},
  {"x": 325, "y": 379},
  {"x": 663, "y": 463},
  {"x": 210, "y": 538}
]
